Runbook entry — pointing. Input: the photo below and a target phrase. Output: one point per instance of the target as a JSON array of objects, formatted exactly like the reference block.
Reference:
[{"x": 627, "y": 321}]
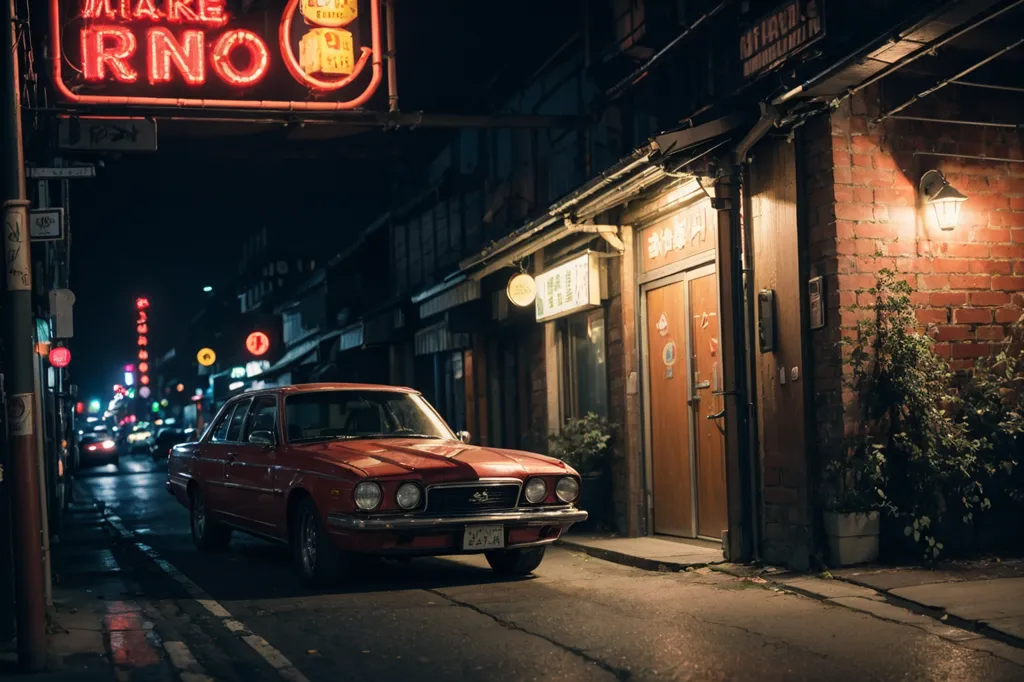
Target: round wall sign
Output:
[
  {"x": 60, "y": 356},
  {"x": 668, "y": 354},
  {"x": 206, "y": 357},
  {"x": 522, "y": 290},
  {"x": 257, "y": 343}
]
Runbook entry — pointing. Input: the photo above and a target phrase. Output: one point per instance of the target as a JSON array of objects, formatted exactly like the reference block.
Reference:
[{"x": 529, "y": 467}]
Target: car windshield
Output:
[{"x": 345, "y": 415}]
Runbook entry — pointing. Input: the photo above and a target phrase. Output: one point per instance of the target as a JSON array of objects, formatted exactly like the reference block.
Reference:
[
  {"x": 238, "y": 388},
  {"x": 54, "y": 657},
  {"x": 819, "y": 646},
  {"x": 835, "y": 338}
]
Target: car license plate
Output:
[{"x": 483, "y": 537}]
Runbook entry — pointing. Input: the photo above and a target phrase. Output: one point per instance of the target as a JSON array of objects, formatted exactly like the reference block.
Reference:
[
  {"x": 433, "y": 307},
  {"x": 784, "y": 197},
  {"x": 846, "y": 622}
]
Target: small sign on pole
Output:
[
  {"x": 49, "y": 173},
  {"x": 46, "y": 224}
]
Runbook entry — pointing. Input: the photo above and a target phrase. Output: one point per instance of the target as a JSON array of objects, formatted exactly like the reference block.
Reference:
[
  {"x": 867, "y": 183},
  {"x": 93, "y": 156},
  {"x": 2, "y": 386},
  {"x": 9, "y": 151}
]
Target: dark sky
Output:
[{"x": 165, "y": 224}]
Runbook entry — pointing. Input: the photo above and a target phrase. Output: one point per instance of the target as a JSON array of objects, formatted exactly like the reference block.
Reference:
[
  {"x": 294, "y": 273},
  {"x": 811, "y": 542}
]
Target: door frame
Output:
[{"x": 698, "y": 265}]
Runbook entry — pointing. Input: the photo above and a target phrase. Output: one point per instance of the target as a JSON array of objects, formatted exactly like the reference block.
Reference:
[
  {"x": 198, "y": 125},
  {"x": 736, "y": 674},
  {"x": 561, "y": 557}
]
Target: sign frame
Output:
[
  {"x": 593, "y": 293},
  {"x": 60, "y": 173},
  {"x": 37, "y": 233},
  {"x": 375, "y": 57}
]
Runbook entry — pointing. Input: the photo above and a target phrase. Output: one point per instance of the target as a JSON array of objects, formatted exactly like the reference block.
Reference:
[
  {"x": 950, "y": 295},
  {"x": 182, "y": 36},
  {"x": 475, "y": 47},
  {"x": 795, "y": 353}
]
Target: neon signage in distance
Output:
[{"x": 197, "y": 53}]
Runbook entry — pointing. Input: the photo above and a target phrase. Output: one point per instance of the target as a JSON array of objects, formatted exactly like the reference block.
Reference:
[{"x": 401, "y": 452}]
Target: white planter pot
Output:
[{"x": 852, "y": 538}]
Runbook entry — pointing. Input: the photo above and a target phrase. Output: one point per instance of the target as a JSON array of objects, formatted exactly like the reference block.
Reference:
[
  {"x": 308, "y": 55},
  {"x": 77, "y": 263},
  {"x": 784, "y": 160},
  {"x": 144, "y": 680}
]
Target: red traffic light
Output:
[
  {"x": 60, "y": 356},
  {"x": 79, "y": 408},
  {"x": 141, "y": 303}
]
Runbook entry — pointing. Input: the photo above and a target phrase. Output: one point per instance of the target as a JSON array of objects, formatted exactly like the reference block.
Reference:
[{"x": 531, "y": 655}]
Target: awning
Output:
[
  {"x": 300, "y": 352},
  {"x": 438, "y": 338},
  {"x": 454, "y": 292},
  {"x": 629, "y": 177},
  {"x": 351, "y": 337}
]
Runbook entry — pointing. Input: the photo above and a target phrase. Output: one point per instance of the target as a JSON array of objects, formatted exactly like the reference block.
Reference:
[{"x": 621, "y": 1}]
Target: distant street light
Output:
[{"x": 207, "y": 289}]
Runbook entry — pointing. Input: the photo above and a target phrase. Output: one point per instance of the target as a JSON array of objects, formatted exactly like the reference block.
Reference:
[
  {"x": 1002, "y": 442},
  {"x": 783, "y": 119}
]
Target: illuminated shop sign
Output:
[
  {"x": 312, "y": 55},
  {"x": 568, "y": 288}
]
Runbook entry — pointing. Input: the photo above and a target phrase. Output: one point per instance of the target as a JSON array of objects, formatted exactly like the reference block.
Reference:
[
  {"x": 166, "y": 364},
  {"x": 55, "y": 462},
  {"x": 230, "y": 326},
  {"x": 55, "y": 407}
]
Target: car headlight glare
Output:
[
  {"x": 408, "y": 496},
  {"x": 536, "y": 490},
  {"x": 567, "y": 489},
  {"x": 367, "y": 495}
]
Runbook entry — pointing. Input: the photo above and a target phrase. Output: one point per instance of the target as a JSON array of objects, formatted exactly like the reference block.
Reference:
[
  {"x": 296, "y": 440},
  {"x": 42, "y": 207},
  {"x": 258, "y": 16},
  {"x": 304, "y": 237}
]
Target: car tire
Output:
[
  {"x": 207, "y": 534},
  {"x": 320, "y": 562},
  {"x": 512, "y": 562}
]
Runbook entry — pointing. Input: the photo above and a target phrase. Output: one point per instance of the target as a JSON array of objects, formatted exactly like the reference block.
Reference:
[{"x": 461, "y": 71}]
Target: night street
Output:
[{"x": 578, "y": 619}]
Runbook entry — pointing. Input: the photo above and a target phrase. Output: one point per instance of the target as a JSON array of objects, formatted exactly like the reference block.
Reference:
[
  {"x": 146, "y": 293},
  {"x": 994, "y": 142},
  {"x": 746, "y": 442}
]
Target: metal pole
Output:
[
  {"x": 18, "y": 362},
  {"x": 44, "y": 507},
  {"x": 389, "y": 16}
]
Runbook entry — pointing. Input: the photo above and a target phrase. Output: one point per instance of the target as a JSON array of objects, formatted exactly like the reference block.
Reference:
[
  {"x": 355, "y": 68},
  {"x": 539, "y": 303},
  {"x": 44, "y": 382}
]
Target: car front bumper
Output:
[{"x": 563, "y": 516}]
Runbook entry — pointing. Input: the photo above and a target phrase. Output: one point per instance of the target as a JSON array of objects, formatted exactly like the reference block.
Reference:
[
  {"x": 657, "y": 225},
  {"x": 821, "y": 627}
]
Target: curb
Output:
[
  {"x": 977, "y": 626},
  {"x": 633, "y": 561}
]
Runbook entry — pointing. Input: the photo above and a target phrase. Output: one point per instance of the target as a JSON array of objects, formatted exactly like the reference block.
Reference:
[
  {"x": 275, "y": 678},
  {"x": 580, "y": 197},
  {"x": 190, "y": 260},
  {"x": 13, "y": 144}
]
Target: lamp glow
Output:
[{"x": 946, "y": 201}]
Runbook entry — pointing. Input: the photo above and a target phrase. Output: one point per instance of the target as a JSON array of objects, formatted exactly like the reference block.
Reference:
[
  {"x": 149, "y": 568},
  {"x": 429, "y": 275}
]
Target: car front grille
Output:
[{"x": 466, "y": 499}]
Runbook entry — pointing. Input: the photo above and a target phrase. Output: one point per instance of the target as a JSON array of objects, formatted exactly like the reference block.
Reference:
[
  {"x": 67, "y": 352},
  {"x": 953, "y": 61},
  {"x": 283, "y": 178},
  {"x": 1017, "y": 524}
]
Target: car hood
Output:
[{"x": 434, "y": 461}]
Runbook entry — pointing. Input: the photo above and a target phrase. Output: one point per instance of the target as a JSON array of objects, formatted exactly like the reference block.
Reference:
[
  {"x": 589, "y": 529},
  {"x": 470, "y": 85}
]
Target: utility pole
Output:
[{"x": 18, "y": 359}]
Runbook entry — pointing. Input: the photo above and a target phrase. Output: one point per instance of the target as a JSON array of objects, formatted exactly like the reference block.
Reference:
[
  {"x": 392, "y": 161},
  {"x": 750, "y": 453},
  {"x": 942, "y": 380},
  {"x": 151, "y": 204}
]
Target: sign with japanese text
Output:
[
  {"x": 681, "y": 235},
  {"x": 46, "y": 224},
  {"x": 780, "y": 34},
  {"x": 297, "y": 55},
  {"x": 568, "y": 288}
]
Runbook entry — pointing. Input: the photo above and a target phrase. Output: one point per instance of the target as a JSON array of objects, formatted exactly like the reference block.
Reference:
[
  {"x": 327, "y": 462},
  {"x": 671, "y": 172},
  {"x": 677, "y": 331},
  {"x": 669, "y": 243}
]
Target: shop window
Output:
[{"x": 584, "y": 368}]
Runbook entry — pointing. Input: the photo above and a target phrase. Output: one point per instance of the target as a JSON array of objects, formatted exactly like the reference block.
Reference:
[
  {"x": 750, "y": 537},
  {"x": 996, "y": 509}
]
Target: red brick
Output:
[
  {"x": 992, "y": 234},
  {"x": 1017, "y": 236},
  {"x": 863, "y": 143},
  {"x": 903, "y": 249},
  {"x": 843, "y": 193},
  {"x": 844, "y": 229},
  {"x": 861, "y": 160},
  {"x": 941, "y": 349},
  {"x": 854, "y": 211},
  {"x": 875, "y": 264},
  {"x": 1008, "y": 315},
  {"x": 969, "y": 281},
  {"x": 1014, "y": 220},
  {"x": 991, "y": 298},
  {"x": 880, "y": 212},
  {"x": 1017, "y": 203},
  {"x": 962, "y": 365},
  {"x": 947, "y": 333},
  {"x": 994, "y": 333},
  {"x": 863, "y": 195},
  {"x": 873, "y": 178},
  {"x": 842, "y": 176},
  {"x": 874, "y": 231},
  {"x": 969, "y": 350},
  {"x": 918, "y": 299},
  {"x": 972, "y": 316},
  {"x": 932, "y": 315},
  {"x": 968, "y": 250},
  {"x": 932, "y": 282},
  {"x": 951, "y": 265},
  {"x": 895, "y": 197},
  {"x": 1007, "y": 251},
  {"x": 992, "y": 267},
  {"x": 917, "y": 265},
  {"x": 947, "y": 298},
  {"x": 855, "y": 282},
  {"x": 1008, "y": 283},
  {"x": 884, "y": 162}
]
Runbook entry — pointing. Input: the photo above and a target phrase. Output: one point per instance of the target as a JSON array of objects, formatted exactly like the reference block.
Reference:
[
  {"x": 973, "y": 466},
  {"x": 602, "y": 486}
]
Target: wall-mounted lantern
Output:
[{"x": 945, "y": 200}]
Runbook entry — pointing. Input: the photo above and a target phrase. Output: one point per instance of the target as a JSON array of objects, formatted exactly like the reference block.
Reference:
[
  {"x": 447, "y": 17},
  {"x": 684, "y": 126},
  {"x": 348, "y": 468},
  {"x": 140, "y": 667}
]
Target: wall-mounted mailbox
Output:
[
  {"x": 766, "y": 320},
  {"x": 816, "y": 300}
]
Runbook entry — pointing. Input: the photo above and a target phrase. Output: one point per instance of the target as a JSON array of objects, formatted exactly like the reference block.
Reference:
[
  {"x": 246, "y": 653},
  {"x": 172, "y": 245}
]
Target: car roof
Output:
[{"x": 313, "y": 388}]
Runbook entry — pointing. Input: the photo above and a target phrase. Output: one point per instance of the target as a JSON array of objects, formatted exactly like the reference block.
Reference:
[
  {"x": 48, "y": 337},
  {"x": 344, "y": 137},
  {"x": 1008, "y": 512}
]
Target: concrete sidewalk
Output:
[
  {"x": 99, "y": 628},
  {"x": 984, "y": 596},
  {"x": 977, "y": 599}
]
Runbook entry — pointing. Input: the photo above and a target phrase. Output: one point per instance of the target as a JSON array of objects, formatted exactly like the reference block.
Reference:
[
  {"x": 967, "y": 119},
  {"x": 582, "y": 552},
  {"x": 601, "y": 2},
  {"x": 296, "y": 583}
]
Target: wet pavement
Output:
[{"x": 242, "y": 614}]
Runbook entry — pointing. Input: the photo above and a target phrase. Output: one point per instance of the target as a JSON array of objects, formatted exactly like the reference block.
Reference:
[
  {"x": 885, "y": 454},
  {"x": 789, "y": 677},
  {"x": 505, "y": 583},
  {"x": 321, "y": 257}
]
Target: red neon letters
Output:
[{"x": 109, "y": 49}]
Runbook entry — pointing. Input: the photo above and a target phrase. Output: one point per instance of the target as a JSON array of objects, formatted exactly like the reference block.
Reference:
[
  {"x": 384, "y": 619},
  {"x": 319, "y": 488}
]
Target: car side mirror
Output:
[
  {"x": 264, "y": 438},
  {"x": 464, "y": 436}
]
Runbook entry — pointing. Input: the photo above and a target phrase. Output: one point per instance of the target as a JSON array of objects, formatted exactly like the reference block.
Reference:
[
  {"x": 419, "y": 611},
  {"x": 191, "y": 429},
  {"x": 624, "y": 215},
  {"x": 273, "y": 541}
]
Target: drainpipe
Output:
[{"x": 739, "y": 243}]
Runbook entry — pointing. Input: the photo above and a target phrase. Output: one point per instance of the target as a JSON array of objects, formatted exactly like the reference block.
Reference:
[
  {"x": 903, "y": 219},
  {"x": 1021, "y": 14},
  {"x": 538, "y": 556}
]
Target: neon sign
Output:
[{"x": 197, "y": 53}]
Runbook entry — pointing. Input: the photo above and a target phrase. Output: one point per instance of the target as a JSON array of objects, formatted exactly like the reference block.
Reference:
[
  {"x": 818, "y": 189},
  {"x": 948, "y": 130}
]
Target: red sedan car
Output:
[{"x": 341, "y": 470}]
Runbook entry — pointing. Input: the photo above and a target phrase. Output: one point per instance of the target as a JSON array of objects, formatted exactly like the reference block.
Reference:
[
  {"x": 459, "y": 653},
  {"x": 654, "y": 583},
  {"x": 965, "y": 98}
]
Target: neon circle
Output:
[
  {"x": 257, "y": 343},
  {"x": 285, "y": 38}
]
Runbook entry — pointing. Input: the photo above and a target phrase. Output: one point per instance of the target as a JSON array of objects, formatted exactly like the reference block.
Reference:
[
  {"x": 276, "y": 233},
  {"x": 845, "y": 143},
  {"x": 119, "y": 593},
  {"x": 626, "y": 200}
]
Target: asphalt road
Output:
[{"x": 450, "y": 619}]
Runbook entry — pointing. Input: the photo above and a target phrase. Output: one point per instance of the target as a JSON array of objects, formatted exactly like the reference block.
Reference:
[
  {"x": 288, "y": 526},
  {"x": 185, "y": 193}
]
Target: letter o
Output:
[{"x": 259, "y": 57}]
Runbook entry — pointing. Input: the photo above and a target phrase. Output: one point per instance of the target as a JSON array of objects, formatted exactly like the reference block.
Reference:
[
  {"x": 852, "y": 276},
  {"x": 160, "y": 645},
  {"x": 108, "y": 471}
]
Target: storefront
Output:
[{"x": 679, "y": 337}]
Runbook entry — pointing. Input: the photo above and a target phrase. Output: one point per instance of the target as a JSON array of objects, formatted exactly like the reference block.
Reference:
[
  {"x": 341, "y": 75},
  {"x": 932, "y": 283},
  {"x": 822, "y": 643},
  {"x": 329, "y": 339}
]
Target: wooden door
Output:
[
  {"x": 670, "y": 422},
  {"x": 708, "y": 423}
]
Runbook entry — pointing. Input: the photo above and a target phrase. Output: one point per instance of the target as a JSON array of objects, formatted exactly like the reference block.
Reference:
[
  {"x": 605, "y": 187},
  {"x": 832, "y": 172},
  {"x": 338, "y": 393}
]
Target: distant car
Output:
[
  {"x": 97, "y": 449},
  {"x": 339, "y": 470},
  {"x": 166, "y": 439}
]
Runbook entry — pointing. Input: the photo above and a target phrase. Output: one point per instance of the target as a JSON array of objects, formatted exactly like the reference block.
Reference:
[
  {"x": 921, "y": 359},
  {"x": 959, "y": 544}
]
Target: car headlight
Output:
[
  {"x": 536, "y": 490},
  {"x": 367, "y": 495},
  {"x": 567, "y": 489},
  {"x": 408, "y": 496}
]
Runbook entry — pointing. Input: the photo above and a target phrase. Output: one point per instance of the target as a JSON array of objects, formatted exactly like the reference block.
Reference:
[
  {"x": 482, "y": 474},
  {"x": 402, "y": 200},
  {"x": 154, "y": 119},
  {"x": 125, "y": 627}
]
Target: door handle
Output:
[
  {"x": 717, "y": 415},
  {"x": 230, "y": 457}
]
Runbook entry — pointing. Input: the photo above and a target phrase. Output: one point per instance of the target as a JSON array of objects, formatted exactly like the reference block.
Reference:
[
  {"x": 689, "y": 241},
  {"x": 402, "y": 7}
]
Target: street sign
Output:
[
  {"x": 107, "y": 134},
  {"x": 46, "y": 224},
  {"x": 257, "y": 343},
  {"x": 47, "y": 173},
  {"x": 60, "y": 356}
]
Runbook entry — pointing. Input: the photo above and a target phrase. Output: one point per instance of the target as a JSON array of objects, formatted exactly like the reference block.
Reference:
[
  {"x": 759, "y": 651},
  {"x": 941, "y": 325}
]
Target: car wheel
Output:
[
  {"x": 207, "y": 534},
  {"x": 320, "y": 563},
  {"x": 515, "y": 561}
]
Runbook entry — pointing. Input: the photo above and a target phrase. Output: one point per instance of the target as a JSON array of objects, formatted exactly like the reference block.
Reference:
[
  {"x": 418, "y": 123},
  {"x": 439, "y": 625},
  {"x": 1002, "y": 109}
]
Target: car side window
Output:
[
  {"x": 220, "y": 431},
  {"x": 262, "y": 416},
  {"x": 238, "y": 421}
]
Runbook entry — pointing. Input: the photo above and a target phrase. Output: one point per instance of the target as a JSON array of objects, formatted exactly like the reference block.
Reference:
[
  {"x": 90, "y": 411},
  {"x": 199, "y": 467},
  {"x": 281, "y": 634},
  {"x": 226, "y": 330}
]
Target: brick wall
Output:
[{"x": 969, "y": 282}]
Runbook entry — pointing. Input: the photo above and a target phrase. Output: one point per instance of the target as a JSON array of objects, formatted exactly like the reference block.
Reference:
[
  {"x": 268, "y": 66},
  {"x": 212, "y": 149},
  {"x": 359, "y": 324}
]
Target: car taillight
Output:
[{"x": 91, "y": 448}]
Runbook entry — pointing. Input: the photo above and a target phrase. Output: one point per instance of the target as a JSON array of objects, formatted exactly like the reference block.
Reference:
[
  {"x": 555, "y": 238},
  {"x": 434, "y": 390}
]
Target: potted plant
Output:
[
  {"x": 583, "y": 444},
  {"x": 853, "y": 484}
]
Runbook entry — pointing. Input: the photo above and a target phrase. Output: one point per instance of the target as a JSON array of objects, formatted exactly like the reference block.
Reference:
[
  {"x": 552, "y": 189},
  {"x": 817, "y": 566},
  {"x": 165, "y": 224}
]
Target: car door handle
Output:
[{"x": 230, "y": 457}]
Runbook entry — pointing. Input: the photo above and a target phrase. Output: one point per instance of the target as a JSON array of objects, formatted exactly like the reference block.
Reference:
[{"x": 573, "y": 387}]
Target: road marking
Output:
[{"x": 275, "y": 658}]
